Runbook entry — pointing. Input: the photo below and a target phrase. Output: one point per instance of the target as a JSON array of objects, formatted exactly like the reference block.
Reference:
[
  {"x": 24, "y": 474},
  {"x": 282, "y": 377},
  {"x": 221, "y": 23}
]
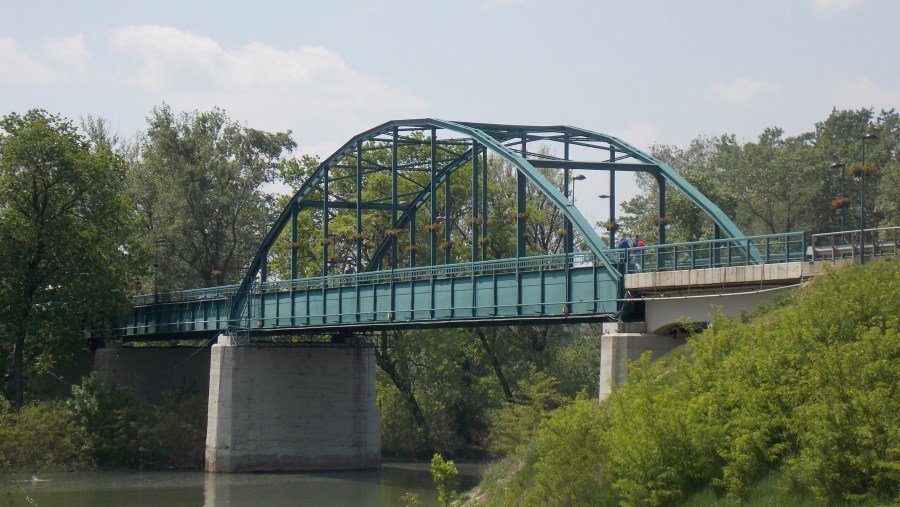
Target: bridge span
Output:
[{"x": 429, "y": 223}]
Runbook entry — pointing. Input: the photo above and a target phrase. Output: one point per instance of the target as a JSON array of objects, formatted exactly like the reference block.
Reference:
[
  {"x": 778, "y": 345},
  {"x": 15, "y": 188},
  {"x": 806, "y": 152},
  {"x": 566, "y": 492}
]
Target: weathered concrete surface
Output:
[
  {"x": 622, "y": 343},
  {"x": 147, "y": 371},
  {"x": 292, "y": 409}
]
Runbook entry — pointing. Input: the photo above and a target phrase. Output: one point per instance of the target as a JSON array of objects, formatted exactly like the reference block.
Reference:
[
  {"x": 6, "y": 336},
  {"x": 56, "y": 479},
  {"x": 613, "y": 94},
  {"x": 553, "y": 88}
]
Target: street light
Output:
[
  {"x": 612, "y": 230},
  {"x": 843, "y": 168},
  {"x": 580, "y": 177},
  {"x": 862, "y": 196}
]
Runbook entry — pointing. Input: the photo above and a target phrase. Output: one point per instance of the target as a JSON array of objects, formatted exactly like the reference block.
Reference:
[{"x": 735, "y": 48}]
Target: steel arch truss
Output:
[{"x": 389, "y": 183}]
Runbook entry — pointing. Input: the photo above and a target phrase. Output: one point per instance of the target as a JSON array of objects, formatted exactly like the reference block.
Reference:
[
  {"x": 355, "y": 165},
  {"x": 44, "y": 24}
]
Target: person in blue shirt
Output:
[{"x": 623, "y": 242}]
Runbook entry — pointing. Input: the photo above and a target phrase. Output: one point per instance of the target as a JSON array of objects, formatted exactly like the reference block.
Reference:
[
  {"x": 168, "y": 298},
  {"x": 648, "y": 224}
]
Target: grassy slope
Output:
[{"x": 799, "y": 403}]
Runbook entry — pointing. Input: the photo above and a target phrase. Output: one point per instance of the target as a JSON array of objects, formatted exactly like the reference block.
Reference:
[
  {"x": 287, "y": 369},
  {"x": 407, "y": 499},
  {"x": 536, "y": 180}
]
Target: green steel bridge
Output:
[{"x": 420, "y": 253}]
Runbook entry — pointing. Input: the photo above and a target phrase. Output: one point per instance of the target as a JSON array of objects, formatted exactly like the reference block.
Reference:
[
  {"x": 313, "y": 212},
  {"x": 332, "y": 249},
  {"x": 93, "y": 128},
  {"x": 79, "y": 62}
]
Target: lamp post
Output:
[
  {"x": 580, "y": 177},
  {"x": 612, "y": 219},
  {"x": 156, "y": 270},
  {"x": 843, "y": 168},
  {"x": 862, "y": 197}
]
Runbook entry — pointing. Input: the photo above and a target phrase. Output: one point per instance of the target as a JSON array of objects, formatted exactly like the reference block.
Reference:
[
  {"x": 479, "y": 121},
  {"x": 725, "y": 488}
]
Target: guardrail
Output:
[
  {"x": 765, "y": 249},
  {"x": 712, "y": 253},
  {"x": 877, "y": 242}
]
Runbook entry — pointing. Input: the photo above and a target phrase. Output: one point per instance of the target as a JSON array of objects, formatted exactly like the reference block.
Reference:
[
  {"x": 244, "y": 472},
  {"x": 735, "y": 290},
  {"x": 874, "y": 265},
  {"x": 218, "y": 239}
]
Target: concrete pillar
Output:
[
  {"x": 622, "y": 343},
  {"x": 292, "y": 409}
]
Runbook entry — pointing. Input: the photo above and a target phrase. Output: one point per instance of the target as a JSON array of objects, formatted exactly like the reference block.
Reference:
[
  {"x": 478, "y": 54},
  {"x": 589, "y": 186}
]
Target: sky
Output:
[{"x": 647, "y": 71}]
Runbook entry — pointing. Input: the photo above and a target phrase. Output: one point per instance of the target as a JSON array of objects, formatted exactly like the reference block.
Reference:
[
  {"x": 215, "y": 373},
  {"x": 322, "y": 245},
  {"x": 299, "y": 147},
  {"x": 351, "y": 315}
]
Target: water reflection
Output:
[{"x": 370, "y": 488}]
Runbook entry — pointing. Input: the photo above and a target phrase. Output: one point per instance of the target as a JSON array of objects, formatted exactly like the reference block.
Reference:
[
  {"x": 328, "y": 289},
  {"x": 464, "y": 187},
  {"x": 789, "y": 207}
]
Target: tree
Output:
[
  {"x": 62, "y": 225},
  {"x": 198, "y": 189}
]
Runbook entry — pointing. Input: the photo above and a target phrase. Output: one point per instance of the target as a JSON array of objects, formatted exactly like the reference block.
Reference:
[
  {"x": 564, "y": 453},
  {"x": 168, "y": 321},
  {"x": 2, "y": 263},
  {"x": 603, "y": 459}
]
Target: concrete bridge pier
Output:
[
  {"x": 623, "y": 342},
  {"x": 291, "y": 409}
]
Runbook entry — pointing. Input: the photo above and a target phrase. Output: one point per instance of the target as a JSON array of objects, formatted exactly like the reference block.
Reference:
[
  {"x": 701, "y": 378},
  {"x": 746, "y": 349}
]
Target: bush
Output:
[
  {"x": 43, "y": 436},
  {"x": 811, "y": 388}
]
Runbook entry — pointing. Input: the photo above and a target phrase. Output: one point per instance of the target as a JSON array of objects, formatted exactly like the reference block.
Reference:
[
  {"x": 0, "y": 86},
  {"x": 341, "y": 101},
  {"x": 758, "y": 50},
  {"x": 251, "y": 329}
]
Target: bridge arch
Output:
[{"x": 448, "y": 147}]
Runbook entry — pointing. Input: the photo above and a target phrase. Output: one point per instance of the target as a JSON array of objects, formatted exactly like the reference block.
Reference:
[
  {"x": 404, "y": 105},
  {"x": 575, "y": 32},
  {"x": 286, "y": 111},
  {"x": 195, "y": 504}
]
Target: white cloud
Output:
[
  {"x": 59, "y": 61},
  {"x": 860, "y": 92},
  {"x": 830, "y": 7},
  {"x": 640, "y": 135},
  {"x": 740, "y": 92},
  {"x": 18, "y": 67},
  {"x": 309, "y": 90}
]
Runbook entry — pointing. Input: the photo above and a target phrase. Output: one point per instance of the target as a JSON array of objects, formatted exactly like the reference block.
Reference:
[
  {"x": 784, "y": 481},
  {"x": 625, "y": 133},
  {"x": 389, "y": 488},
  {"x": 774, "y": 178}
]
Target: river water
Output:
[{"x": 383, "y": 487}]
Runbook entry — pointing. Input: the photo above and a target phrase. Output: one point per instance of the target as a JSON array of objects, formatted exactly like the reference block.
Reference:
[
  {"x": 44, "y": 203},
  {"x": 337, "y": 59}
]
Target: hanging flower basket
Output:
[
  {"x": 609, "y": 225},
  {"x": 660, "y": 220},
  {"x": 840, "y": 203},
  {"x": 394, "y": 232},
  {"x": 561, "y": 232},
  {"x": 297, "y": 244},
  {"x": 411, "y": 248},
  {"x": 446, "y": 245},
  {"x": 523, "y": 214},
  {"x": 360, "y": 236},
  {"x": 858, "y": 169},
  {"x": 475, "y": 220},
  {"x": 327, "y": 240},
  {"x": 433, "y": 226},
  {"x": 333, "y": 258},
  {"x": 484, "y": 240},
  {"x": 216, "y": 272}
]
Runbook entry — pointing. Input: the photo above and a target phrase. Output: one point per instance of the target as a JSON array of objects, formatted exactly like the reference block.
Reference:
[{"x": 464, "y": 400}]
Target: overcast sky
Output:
[{"x": 654, "y": 71}]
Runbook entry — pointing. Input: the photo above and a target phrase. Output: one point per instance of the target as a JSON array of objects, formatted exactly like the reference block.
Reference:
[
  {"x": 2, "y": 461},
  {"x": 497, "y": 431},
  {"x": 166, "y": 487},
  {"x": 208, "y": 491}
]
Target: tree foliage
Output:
[
  {"x": 778, "y": 183},
  {"x": 63, "y": 224},
  {"x": 199, "y": 192},
  {"x": 808, "y": 386}
]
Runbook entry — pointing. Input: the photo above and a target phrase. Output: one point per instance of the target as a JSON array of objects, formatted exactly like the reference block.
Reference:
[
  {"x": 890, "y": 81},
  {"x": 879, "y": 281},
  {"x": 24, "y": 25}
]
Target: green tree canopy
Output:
[
  {"x": 199, "y": 191},
  {"x": 63, "y": 221}
]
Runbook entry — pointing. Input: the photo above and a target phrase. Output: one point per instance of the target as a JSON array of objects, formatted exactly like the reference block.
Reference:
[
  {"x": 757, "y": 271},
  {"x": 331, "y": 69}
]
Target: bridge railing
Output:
[
  {"x": 877, "y": 242},
  {"x": 459, "y": 270},
  {"x": 714, "y": 253}
]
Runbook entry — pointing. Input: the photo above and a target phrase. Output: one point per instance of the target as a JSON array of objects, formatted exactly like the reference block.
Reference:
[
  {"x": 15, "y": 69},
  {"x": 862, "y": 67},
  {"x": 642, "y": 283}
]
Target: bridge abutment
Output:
[
  {"x": 292, "y": 409},
  {"x": 622, "y": 343}
]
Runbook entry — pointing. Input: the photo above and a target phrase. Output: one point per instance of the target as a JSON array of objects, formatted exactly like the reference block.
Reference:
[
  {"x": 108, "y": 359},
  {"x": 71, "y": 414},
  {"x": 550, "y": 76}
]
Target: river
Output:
[{"x": 383, "y": 487}]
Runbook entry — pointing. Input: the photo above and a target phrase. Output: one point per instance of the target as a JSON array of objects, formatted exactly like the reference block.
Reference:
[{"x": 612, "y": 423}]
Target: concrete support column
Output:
[
  {"x": 292, "y": 409},
  {"x": 622, "y": 343}
]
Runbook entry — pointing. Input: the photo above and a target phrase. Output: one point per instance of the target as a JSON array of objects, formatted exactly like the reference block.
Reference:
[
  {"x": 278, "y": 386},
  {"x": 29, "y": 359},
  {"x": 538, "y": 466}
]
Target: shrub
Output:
[{"x": 43, "y": 436}]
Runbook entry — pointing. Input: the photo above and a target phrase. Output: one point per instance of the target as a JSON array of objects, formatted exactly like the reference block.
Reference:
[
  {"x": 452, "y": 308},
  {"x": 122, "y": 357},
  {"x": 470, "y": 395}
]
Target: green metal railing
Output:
[
  {"x": 714, "y": 253},
  {"x": 772, "y": 248},
  {"x": 878, "y": 242}
]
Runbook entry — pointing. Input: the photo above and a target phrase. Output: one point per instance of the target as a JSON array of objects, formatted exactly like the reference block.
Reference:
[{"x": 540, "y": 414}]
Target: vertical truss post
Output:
[
  {"x": 569, "y": 241},
  {"x": 661, "y": 227},
  {"x": 293, "y": 242},
  {"x": 484, "y": 203},
  {"x": 475, "y": 216},
  {"x": 325, "y": 235},
  {"x": 394, "y": 237},
  {"x": 359, "y": 187},
  {"x": 447, "y": 219},
  {"x": 612, "y": 200},
  {"x": 433, "y": 199},
  {"x": 412, "y": 234},
  {"x": 521, "y": 207}
]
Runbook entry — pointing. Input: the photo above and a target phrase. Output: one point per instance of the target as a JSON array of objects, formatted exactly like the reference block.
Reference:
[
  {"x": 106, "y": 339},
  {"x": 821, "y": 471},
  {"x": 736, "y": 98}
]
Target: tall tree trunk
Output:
[
  {"x": 403, "y": 384},
  {"x": 495, "y": 363},
  {"x": 18, "y": 371}
]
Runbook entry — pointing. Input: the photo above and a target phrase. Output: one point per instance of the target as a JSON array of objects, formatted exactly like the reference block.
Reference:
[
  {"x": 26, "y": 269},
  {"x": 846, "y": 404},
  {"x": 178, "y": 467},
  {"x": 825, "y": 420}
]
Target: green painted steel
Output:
[
  {"x": 456, "y": 295},
  {"x": 460, "y": 144}
]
